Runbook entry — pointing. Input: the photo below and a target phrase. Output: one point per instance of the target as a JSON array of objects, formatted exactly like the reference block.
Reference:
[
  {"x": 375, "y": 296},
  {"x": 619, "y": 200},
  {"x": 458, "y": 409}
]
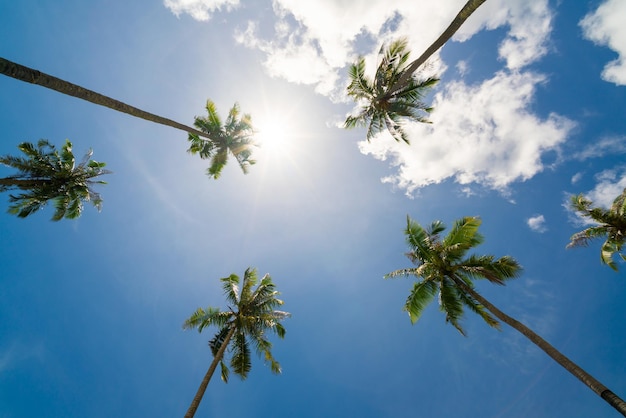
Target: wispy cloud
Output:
[
  {"x": 482, "y": 134},
  {"x": 609, "y": 184},
  {"x": 537, "y": 223},
  {"x": 605, "y": 146},
  {"x": 199, "y": 9},
  {"x": 605, "y": 26},
  {"x": 17, "y": 352}
]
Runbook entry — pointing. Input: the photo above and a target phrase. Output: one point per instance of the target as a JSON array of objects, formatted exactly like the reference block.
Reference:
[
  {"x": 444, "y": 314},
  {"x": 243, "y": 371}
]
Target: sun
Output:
[{"x": 273, "y": 136}]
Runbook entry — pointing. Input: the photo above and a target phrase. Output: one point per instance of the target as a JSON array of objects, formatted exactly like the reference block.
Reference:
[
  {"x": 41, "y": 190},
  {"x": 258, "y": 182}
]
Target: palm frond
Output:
[
  {"x": 225, "y": 371},
  {"x": 203, "y": 318},
  {"x": 451, "y": 304},
  {"x": 218, "y": 339},
  {"x": 417, "y": 237},
  {"x": 213, "y": 117},
  {"x": 463, "y": 235},
  {"x": 230, "y": 285},
  {"x": 218, "y": 162},
  {"x": 608, "y": 250},
  {"x": 421, "y": 295},
  {"x": 478, "y": 309},
  {"x": 241, "y": 361},
  {"x": 496, "y": 271}
]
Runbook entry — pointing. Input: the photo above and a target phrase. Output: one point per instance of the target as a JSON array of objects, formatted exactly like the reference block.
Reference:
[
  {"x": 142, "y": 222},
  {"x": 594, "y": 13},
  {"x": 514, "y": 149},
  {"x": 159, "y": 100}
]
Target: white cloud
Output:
[
  {"x": 199, "y": 9},
  {"x": 610, "y": 184},
  {"x": 537, "y": 223},
  {"x": 462, "y": 67},
  {"x": 605, "y": 146},
  {"x": 293, "y": 57},
  {"x": 576, "y": 178},
  {"x": 481, "y": 134},
  {"x": 530, "y": 24},
  {"x": 606, "y": 26},
  {"x": 314, "y": 41}
]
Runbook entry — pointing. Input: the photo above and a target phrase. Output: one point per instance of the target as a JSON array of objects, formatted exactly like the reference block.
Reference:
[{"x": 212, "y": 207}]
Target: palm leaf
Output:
[
  {"x": 451, "y": 304},
  {"x": 241, "y": 361},
  {"x": 421, "y": 295}
]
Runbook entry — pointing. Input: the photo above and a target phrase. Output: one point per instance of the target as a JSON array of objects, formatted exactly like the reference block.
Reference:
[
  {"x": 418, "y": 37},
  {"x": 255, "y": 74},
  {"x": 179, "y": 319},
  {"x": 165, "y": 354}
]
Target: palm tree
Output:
[
  {"x": 234, "y": 137},
  {"x": 394, "y": 83},
  {"x": 29, "y": 75},
  {"x": 47, "y": 175},
  {"x": 250, "y": 315},
  {"x": 381, "y": 111},
  {"x": 609, "y": 224},
  {"x": 470, "y": 7},
  {"x": 445, "y": 269}
]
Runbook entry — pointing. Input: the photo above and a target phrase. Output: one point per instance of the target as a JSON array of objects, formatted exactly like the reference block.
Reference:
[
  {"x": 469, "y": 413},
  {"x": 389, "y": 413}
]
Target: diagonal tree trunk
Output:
[
  {"x": 467, "y": 10},
  {"x": 207, "y": 377},
  {"x": 29, "y": 75},
  {"x": 601, "y": 390}
]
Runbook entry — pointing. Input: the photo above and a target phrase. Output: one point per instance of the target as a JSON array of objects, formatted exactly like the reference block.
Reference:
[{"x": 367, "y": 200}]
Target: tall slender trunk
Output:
[
  {"x": 207, "y": 377},
  {"x": 467, "y": 10},
  {"x": 601, "y": 390},
  {"x": 29, "y": 75}
]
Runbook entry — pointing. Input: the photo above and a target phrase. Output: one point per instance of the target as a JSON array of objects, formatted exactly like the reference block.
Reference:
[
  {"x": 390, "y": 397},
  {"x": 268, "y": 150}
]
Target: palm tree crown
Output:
[
  {"x": 443, "y": 265},
  {"x": 251, "y": 313},
  {"x": 46, "y": 174},
  {"x": 608, "y": 223},
  {"x": 445, "y": 269},
  {"x": 234, "y": 137},
  {"x": 381, "y": 110}
]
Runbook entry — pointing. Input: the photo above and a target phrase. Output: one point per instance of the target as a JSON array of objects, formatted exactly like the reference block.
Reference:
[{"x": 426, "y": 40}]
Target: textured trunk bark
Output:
[
  {"x": 613, "y": 400},
  {"x": 29, "y": 75},
  {"x": 207, "y": 377},
  {"x": 469, "y": 8}
]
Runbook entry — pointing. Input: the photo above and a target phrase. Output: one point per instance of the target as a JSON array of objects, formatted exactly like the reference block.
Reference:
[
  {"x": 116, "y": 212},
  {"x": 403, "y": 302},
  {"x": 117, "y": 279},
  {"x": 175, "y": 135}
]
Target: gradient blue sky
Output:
[{"x": 530, "y": 110}]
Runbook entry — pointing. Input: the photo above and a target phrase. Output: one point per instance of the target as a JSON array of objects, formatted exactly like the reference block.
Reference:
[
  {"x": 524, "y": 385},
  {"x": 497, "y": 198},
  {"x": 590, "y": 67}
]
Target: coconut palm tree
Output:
[
  {"x": 392, "y": 96},
  {"x": 234, "y": 137},
  {"x": 380, "y": 111},
  {"x": 249, "y": 317},
  {"x": 29, "y": 75},
  {"x": 46, "y": 175},
  {"x": 445, "y": 268},
  {"x": 608, "y": 223}
]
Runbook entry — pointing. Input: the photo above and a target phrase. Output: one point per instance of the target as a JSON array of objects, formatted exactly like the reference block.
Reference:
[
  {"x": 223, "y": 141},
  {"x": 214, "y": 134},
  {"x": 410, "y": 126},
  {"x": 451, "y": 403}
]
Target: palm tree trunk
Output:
[
  {"x": 207, "y": 377},
  {"x": 29, "y": 75},
  {"x": 601, "y": 390},
  {"x": 469, "y": 8}
]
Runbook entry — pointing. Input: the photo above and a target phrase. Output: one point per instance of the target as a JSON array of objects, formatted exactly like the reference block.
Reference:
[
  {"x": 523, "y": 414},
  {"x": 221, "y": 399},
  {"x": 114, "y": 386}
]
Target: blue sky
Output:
[{"x": 530, "y": 109}]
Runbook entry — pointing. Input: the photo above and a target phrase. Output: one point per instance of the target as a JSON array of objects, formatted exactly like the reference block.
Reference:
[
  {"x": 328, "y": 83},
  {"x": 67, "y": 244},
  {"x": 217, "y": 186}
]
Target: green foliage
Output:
[
  {"x": 609, "y": 224},
  {"x": 234, "y": 137},
  {"x": 48, "y": 175},
  {"x": 384, "y": 109},
  {"x": 445, "y": 269},
  {"x": 251, "y": 314}
]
